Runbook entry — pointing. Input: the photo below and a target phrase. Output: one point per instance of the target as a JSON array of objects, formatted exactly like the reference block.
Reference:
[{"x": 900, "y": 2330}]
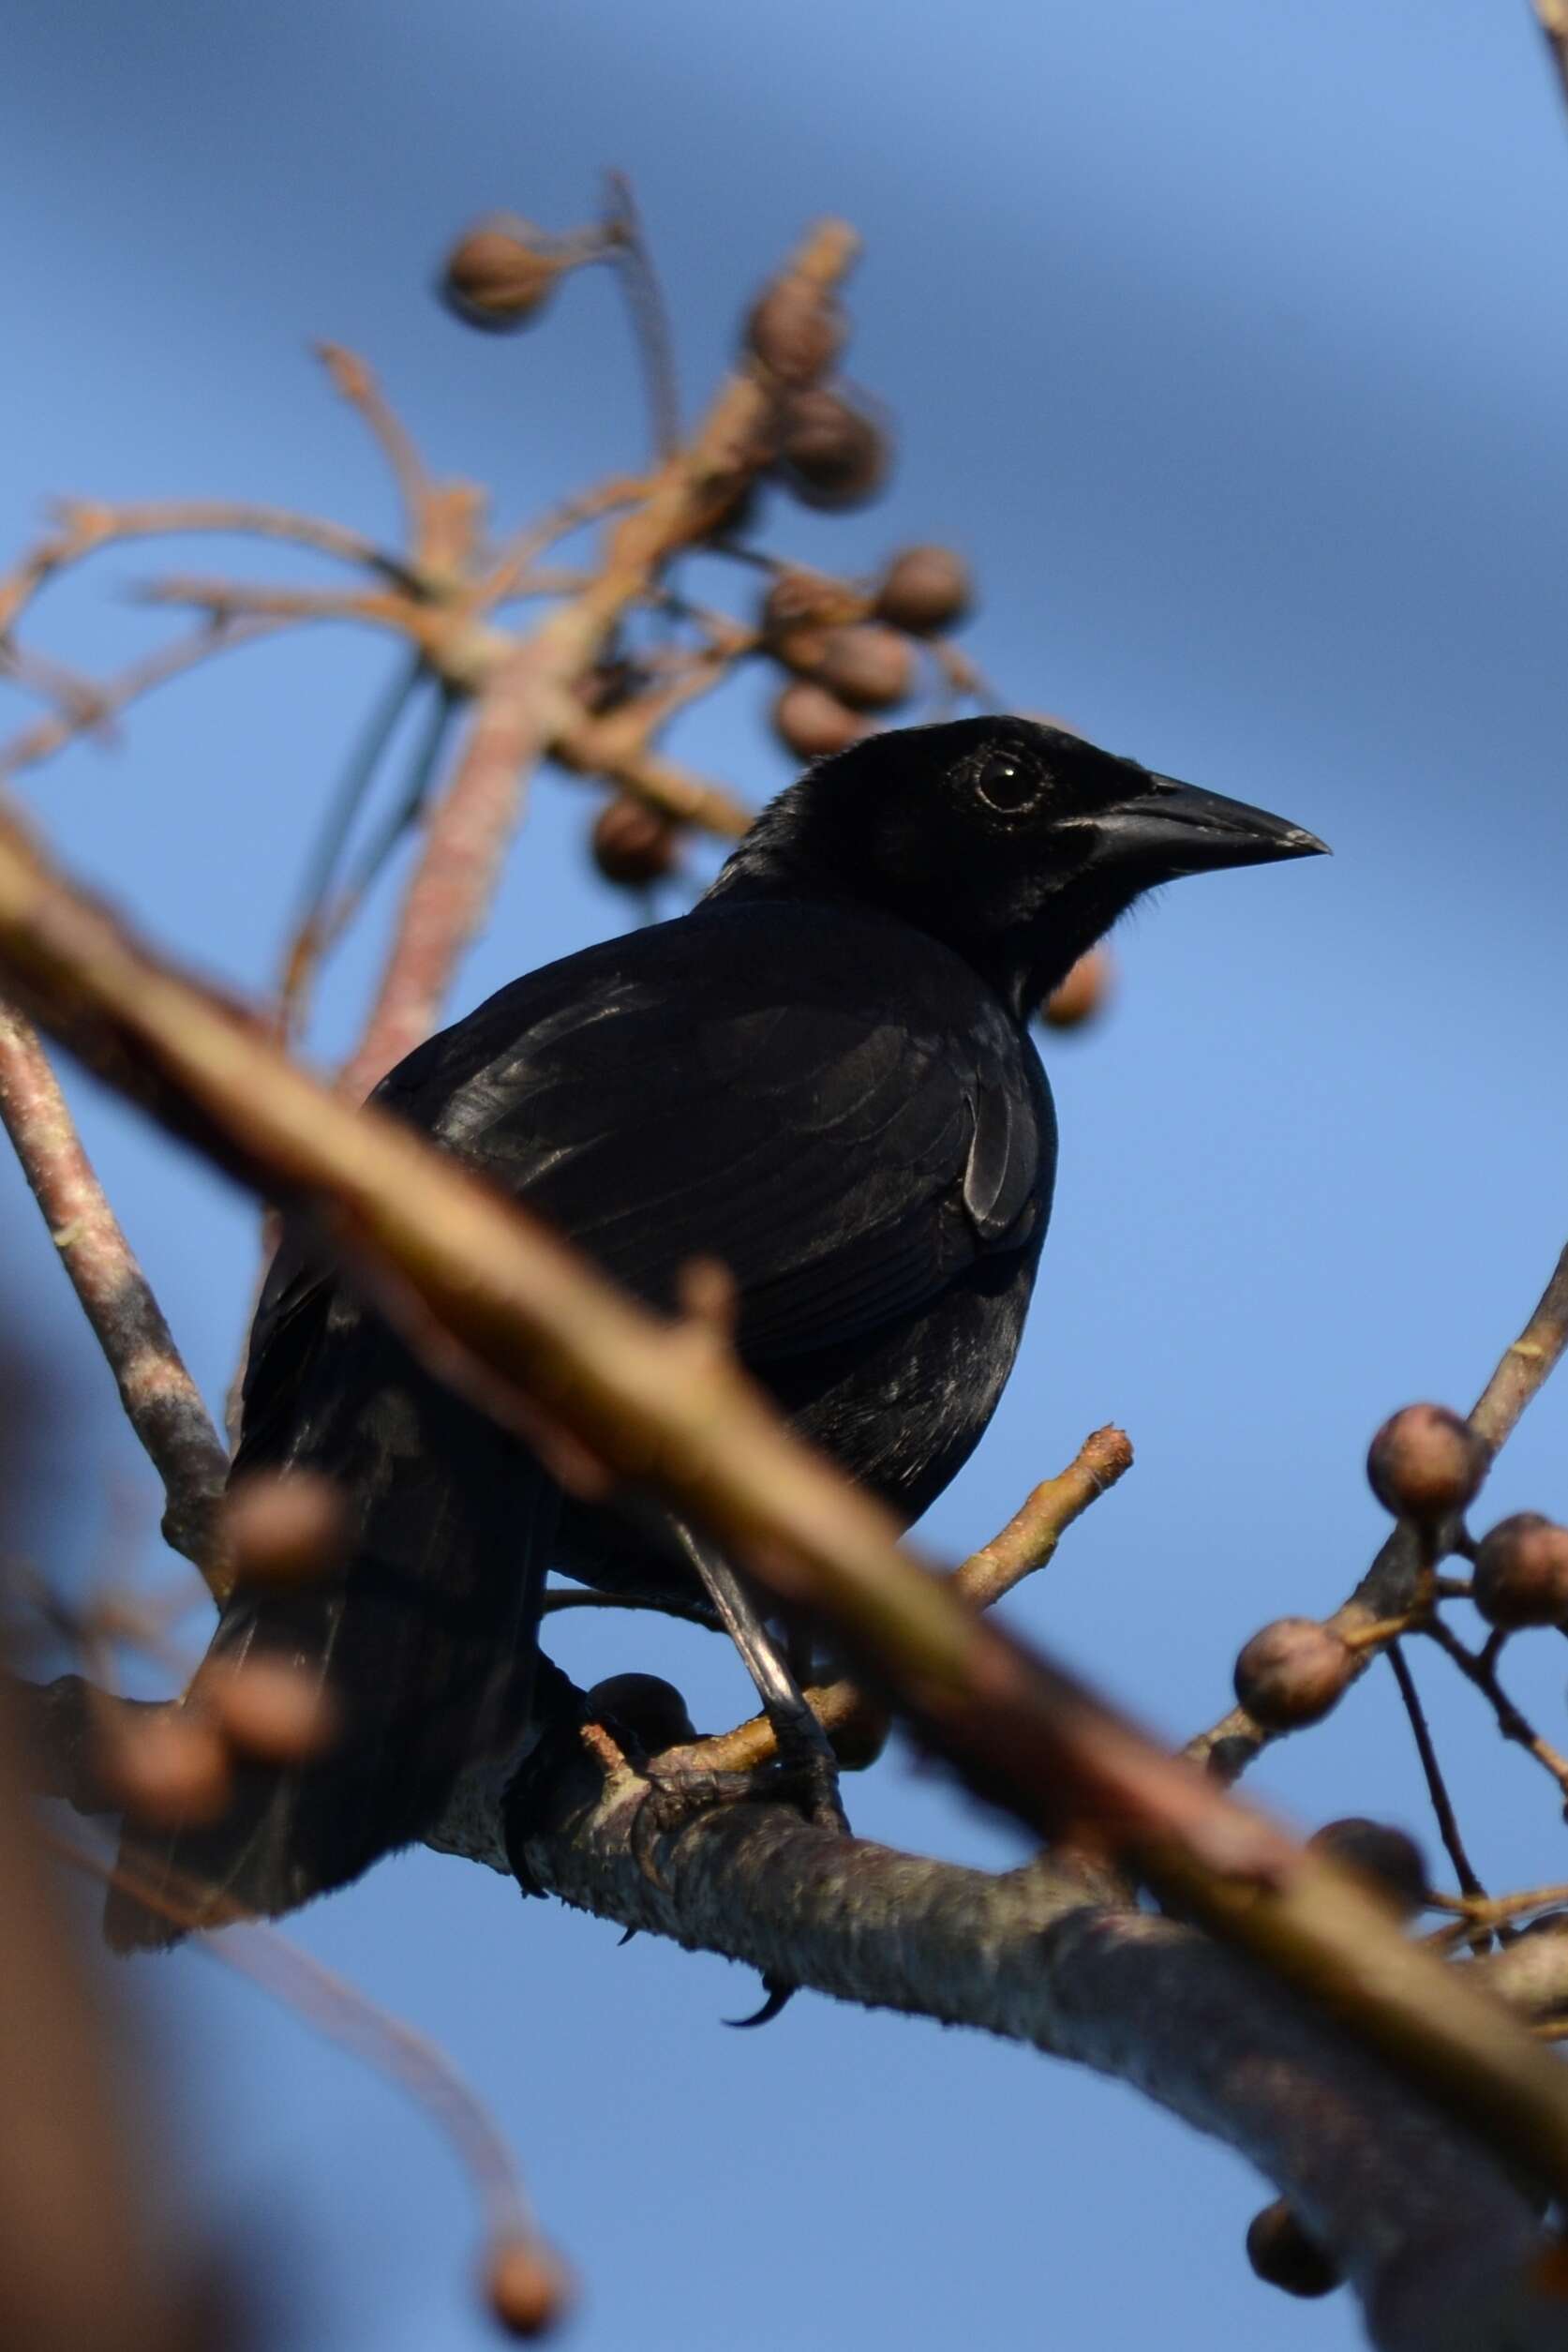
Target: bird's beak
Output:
[{"x": 1174, "y": 828}]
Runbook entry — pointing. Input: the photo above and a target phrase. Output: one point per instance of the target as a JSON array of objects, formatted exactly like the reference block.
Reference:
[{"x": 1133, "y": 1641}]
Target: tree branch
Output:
[
  {"x": 1423, "y": 2224},
  {"x": 162, "y": 1400}
]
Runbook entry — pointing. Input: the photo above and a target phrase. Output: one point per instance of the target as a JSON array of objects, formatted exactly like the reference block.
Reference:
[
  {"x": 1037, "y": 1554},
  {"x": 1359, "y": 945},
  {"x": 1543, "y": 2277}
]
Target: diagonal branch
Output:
[
  {"x": 510, "y": 1311},
  {"x": 85, "y": 525},
  {"x": 96, "y": 704},
  {"x": 160, "y": 1399}
]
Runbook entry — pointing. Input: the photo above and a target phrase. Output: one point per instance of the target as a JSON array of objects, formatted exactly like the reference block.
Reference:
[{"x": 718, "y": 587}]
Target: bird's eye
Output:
[{"x": 1004, "y": 782}]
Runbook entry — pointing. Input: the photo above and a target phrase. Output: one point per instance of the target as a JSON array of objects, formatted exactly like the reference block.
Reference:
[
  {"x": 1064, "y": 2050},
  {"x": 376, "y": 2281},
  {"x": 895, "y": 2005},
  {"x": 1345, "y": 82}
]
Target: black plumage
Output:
[{"x": 822, "y": 1076}]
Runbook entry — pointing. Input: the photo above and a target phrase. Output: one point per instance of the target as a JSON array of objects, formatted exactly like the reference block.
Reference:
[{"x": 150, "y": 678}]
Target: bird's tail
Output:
[{"x": 424, "y": 1652}]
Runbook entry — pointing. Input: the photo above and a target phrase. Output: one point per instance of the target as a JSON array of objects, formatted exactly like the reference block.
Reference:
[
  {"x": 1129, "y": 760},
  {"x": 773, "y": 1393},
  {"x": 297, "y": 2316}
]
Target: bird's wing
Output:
[{"x": 836, "y": 1109}]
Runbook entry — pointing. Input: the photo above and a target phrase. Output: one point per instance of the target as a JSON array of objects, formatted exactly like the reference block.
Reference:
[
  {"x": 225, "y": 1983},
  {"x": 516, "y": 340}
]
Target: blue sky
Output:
[{"x": 1231, "y": 345}]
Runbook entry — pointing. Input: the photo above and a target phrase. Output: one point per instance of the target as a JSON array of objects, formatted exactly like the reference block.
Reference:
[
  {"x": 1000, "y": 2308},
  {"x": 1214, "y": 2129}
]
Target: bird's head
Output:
[{"x": 1016, "y": 843}]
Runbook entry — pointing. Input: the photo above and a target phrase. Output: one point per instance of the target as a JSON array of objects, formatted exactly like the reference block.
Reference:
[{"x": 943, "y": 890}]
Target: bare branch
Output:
[
  {"x": 160, "y": 1399},
  {"x": 650, "y": 319},
  {"x": 1436, "y": 1787},
  {"x": 1030, "y": 1537},
  {"x": 94, "y": 708},
  {"x": 86, "y": 525},
  {"x": 353, "y": 379},
  {"x": 1481, "y": 1671}
]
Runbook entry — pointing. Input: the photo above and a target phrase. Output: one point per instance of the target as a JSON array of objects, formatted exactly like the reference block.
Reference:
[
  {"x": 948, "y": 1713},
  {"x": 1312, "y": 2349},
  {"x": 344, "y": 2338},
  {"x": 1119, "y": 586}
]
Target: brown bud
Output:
[
  {"x": 1425, "y": 1463},
  {"x": 1084, "y": 995},
  {"x": 1521, "y": 1572},
  {"x": 633, "y": 845},
  {"x": 796, "y": 330},
  {"x": 798, "y": 600},
  {"x": 1283, "y": 2256},
  {"x": 1292, "y": 1673},
  {"x": 872, "y": 669},
  {"x": 1388, "y": 1856},
  {"x": 526, "y": 2287},
  {"x": 497, "y": 275},
  {"x": 166, "y": 1768},
  {"x": 924, "y": 589},
  {"x": 830, "y": 454},
  {"x": 285, "y": 1527},
  {"x": 813, "y": 724},
  {"x": 268, "y": 1710},
  {"x": 643, "y": 1704}
]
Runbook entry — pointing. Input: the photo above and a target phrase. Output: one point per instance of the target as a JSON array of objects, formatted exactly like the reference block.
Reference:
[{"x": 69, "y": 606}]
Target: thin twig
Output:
[
  {"x": 1436, "y": 1787},
  {"x": 514, "y": 562},
  {"x": 305, "y": 942},
  {"x": 1526, "y": 1363},
  {"x": 1030, "y": 1537},
  {"x": 333, "y": 2007},
  {"x": 104, "y": 702},
  {"x": 650, "y": 318},
  {"x": 159, "y": 1397},
  {"x": 1511, "y": 1721},
  {"x": 87, "y": 525},
  {"x": 352, "y": 378}
]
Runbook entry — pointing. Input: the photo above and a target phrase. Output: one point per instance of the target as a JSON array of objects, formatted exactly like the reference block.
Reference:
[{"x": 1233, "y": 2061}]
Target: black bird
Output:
[{"x": 820, "y": 1075}]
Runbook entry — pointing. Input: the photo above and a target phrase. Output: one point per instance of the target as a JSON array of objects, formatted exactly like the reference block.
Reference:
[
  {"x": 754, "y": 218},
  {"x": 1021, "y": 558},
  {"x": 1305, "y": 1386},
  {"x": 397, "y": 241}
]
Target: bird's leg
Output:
[{"x": 804, "y": 1747}]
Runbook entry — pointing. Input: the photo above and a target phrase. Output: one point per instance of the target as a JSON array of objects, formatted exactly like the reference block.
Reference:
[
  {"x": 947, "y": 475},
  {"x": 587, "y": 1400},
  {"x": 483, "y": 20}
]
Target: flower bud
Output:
[
  {"x": 167, "y": 1769},
  {"x": 796, "y": 330},
  {"x": 1521, "y": 1572},
  {"x": 830, "y": 454},
  {"x": 1388, "y": 1856},
  {"x": 812, "y": 723},
  {"x": 1283, "y": 2256},
  {"x": 925, "y": 589},
  {"x": 869, "y": 667},
  {"x": 1084, "y": 995},
  {"x": 634, "y": 846},
  {"x": 1292, "y": 1673},
  {"x": 269, "y": 1711},
  {"x": 497, "y": 277},
  {"x": 1425, "y": 1463},
  {"x": 285, "y": 1527},
  {"x": 526, "y": 2287}
]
